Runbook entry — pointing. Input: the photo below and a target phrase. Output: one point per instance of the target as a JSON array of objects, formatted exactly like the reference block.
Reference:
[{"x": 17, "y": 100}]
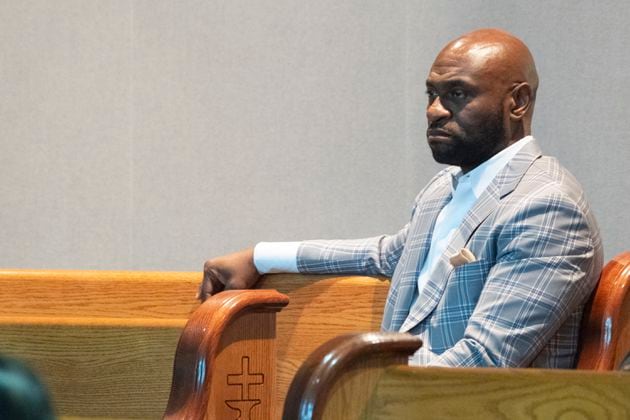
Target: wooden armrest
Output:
[
  {"x": 208, "y": 353},
  {"x": 333, "y": 384},
  {"x": 356, "y": 359},
  {"x": 605, "y": 334},
  {"x": 322, "y": 307}
]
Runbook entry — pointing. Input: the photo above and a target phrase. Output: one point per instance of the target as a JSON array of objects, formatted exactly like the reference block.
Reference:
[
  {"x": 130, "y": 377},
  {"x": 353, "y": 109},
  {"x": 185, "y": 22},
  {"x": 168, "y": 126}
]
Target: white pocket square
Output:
[{"x": 464, "y": 256}]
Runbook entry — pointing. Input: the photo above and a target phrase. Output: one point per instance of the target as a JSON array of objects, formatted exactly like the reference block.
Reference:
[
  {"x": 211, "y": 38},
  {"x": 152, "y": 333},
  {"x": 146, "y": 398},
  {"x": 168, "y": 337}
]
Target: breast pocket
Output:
[
  {"x": 460, "y": 298},
  {"x": 467, "y": 281}
]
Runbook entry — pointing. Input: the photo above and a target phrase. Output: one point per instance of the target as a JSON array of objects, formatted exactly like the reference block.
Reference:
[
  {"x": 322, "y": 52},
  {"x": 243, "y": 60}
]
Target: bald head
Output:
[
  {"x": 497, "y": 52},
  {"x": 482, "y": 88}
]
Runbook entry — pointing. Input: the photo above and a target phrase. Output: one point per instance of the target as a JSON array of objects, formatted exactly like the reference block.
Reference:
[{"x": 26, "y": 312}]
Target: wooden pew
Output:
[
  {"x": 322, "y": 390},
  {"x": 321, "y": 308},
  {"x": 605, "y": 331},
  {"x": 232, "y": 364},
  {"x": 103, "y": 341},
  {"x": 419, "y": 393}
]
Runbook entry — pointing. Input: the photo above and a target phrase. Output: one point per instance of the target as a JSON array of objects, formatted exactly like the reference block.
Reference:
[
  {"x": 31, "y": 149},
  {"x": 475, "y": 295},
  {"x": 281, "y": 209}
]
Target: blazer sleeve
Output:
[
  {"x": 377, "y": 255},
  {"x": 548, "y": 261},
  {"x": 370, "y": 256}
]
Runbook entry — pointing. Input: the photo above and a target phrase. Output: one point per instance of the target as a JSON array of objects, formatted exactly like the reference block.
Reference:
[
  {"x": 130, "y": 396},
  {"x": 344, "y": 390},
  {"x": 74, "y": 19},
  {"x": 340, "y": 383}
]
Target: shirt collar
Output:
[{"x": 482, "y": 175}]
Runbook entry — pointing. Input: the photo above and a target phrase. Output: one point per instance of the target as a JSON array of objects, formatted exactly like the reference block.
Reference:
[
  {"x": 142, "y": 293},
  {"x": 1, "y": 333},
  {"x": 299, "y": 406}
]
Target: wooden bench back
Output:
[
  {"x": 321, "y": 308},
  {"x": 236, "y": 360},
  {"x": 355, "y": 387},
  {"x": 98, "y": 294},
  {"x": 87, "y": 330},
  {"x": 103, "y": 341},
  {"x": 406, "y": 392}
]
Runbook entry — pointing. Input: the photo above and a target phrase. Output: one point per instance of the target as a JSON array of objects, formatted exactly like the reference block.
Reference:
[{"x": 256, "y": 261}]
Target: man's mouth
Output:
[{"x": 437, "y": 134}]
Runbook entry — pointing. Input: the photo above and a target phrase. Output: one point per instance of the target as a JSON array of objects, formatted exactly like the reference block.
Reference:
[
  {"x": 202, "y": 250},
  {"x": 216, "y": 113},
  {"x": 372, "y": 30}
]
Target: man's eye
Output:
[
  {"x": 457, "y": 94},
  {"x": 431, "y": 93}
]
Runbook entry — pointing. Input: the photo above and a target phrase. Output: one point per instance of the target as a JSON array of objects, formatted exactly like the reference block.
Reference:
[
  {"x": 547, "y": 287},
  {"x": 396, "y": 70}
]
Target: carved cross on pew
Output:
[{"x": 245, "y": 379}]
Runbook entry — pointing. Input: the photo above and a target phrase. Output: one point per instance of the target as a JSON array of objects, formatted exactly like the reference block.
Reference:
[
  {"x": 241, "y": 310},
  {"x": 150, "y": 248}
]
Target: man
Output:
[{"x": 501, "y": 251}]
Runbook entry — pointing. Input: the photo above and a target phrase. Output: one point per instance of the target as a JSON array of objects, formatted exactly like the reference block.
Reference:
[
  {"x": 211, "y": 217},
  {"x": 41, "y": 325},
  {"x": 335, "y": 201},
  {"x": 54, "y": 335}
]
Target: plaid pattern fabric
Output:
[{"x": 538, "y": 253}]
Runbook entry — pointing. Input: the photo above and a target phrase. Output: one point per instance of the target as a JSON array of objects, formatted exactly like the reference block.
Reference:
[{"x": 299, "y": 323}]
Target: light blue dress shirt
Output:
[{"x": 466, "y": 190}]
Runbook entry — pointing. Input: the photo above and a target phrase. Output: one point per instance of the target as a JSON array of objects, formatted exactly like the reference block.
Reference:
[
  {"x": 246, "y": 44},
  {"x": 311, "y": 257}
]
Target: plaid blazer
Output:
[{"x": 538, "y": 257}]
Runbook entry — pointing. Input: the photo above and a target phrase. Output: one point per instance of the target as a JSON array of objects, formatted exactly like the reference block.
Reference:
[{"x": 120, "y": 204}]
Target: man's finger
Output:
[
  {"x": 216, "y": 281},
  {"x": 212, "y": 283}
]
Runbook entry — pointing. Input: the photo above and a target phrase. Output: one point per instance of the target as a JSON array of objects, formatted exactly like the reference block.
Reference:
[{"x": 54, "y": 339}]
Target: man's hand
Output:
[{"x": 232, "y": 271}]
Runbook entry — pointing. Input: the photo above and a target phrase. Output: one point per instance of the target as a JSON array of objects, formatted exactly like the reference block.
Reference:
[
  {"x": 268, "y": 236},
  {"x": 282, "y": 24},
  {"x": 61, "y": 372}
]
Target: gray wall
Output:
[{"x": 155, "y": 134}]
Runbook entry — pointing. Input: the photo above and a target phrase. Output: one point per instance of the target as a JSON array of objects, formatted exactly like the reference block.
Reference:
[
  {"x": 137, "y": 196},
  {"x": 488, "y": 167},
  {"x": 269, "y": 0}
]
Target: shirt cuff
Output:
[{"x": 276, "y": 257}]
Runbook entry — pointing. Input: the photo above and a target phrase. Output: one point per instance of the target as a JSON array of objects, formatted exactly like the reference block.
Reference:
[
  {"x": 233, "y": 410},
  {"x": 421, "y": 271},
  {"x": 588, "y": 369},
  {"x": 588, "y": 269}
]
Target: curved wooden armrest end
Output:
[
  {"x": 318, "y": 374},
  {"x": 605, "y": 337},
  {"x": 199, "y": 345}
]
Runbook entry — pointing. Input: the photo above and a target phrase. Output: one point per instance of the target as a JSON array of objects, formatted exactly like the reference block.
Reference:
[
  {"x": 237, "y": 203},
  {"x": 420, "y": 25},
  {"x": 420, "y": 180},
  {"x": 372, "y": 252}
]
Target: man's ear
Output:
[{"x": 522, "y": 99}]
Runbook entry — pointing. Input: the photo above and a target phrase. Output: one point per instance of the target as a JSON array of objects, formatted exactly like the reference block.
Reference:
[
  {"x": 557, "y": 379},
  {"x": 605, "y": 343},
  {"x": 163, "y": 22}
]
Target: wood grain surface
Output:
[
  {"x": 337, "y": 379},
  {"x": 605, "y": 334},
  {"x": 98, "y": 371},
  {"x": 86, "y": 330},
  {"x": 103, "y": 341},
  {"x": 244, "y": 370},
  {"x": 321, "y": 308},
  {"x": 114, "y": 294},
  {"x": 231, "y": 334},
  {"x": 510, "y": 394}
]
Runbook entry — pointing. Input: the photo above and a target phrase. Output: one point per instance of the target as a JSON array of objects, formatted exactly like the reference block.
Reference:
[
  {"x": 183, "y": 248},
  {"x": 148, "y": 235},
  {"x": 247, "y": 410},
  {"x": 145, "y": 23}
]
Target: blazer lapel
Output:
[
  {"x": 504, "y": 183},
  {"x": 404, "y": 287}
]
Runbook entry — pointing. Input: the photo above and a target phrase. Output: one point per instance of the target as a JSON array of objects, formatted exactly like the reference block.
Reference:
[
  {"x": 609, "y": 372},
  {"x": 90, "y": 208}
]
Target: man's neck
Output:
[{"x": 467, "y": 169}]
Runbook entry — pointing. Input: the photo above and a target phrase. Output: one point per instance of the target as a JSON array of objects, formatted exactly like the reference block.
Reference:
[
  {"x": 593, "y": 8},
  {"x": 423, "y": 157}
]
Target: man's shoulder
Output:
[
  {"x": 548, "y": 187},
  {"x": 547, "y": 174}
]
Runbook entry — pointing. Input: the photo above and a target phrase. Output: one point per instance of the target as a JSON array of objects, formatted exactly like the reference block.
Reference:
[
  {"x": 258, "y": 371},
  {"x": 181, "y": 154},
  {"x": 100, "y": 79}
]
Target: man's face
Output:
[{"x": 465, "y": 112}]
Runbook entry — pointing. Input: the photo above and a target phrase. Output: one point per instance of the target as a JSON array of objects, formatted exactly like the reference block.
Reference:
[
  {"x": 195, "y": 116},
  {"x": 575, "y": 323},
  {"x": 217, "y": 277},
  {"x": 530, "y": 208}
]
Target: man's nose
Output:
[{"x": 436, "y": 111}]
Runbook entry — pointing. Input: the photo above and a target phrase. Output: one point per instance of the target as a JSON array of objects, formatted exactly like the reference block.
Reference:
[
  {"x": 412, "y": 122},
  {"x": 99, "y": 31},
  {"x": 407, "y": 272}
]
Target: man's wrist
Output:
[{"x": 276, "y": 257}]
